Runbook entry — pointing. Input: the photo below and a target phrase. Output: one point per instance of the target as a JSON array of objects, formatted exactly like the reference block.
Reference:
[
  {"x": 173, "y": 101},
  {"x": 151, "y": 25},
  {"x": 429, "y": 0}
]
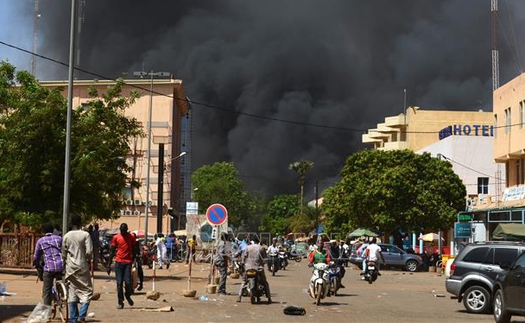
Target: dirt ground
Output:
[{"x": 397, "y": 296}]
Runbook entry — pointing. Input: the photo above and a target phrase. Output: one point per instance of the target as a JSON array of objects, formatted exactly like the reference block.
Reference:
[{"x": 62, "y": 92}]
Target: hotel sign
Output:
[{"x": 467, "y": 130}]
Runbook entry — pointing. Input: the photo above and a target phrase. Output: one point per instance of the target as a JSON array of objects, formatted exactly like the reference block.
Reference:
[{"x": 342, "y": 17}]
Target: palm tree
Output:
[{"x": 301, "y": 167}]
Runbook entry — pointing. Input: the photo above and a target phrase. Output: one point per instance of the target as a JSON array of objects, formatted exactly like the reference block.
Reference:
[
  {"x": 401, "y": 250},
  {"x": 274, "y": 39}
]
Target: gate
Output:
[{"x": 16, "y": 249}]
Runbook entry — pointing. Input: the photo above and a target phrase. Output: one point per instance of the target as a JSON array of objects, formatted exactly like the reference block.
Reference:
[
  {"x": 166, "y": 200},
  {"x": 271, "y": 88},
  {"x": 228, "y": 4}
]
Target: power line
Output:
[{"x": 216, "y": 107}]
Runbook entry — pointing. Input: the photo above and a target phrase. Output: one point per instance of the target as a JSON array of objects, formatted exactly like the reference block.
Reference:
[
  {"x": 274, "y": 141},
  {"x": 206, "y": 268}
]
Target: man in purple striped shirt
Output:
[{"x": 49, "y": 250}]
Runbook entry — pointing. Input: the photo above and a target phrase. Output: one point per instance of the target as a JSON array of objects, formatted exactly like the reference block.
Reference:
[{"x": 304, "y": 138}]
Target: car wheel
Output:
[
  {"x": 476, "y": 299},
  {"x": 500, "y": 310},
  {"x": 411, "y": 266}
]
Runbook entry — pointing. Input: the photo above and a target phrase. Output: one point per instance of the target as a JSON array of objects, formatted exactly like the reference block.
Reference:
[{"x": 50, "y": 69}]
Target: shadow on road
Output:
[{"x": 12, "y": 311}]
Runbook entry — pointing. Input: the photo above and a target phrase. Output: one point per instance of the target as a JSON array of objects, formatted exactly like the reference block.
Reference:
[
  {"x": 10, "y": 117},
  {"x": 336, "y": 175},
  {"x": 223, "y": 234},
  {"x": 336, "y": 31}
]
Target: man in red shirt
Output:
[{"x": 124, "y": 244}]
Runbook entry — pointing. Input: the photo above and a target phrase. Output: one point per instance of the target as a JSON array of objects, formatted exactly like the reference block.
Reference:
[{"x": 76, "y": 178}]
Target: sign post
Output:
[{"x": 216, "y": 214}]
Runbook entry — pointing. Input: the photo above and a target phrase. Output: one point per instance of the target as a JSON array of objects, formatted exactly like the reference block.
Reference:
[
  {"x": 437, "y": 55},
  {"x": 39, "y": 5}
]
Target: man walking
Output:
[
  {"x": 77, "y": 252},
  {"x": 49, "y": 250},
  {"x": 221, "y": 261},
  {"x": 124, "y": 244}
]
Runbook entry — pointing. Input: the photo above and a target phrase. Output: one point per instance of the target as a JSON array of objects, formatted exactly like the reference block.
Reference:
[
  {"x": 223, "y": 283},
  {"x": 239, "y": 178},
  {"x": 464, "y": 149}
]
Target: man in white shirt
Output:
[{"x": 373, "y": 253}]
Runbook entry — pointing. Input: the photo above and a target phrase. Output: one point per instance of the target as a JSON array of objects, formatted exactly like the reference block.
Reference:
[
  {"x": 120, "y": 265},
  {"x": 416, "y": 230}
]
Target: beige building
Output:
[
  {"x": 509, "y": 150},
  {"x": 168, "y": 105},
  {"x": 418, "y": 128}
]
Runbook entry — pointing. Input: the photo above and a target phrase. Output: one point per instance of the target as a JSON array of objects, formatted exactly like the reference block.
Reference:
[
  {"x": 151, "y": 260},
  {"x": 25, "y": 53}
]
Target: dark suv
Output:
[
  {"x": 473, "y": 272},
  {"x": 509, "y": 290}
]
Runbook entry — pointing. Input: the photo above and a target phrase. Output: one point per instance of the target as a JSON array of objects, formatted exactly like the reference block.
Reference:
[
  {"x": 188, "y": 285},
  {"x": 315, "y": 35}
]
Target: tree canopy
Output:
[
  {"x": 279, "y": 213},
  {"x": 220, "y": 183},
  {"x": 394, "y": 190},
  {"x": 32, "y": 146}
]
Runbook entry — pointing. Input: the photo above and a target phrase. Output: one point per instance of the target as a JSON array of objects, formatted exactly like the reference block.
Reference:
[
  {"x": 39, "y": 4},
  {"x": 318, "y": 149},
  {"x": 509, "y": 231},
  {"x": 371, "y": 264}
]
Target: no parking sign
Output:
[{"x": 216, "y": 214}]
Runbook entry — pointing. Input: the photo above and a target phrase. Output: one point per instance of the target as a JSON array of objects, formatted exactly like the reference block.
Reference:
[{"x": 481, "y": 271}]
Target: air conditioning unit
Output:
[
  {"x": 122, "y": 212},
  {"x": 138, "y": 202},
  {"x": 136, "y": 212},
  {"x": 128, "y": 212},
  {"x": 152, "y": 203},
  {"x": 129, "y": 202}
]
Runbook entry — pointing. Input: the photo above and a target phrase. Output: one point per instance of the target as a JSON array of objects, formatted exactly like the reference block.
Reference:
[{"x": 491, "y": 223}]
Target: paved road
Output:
[{"x": 397, "y": 296}]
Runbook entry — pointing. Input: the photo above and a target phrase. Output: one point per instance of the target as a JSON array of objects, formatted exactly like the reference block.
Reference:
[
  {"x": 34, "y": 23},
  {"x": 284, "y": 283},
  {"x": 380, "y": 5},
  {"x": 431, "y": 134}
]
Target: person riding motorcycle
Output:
[
  {"x": 253, "y": 258},
  {"x": 336, "y": 256},
  {"x": 273, "y": 249},
  {"x": 318, "y": 255},
  {"x": 372, "y": 253}
]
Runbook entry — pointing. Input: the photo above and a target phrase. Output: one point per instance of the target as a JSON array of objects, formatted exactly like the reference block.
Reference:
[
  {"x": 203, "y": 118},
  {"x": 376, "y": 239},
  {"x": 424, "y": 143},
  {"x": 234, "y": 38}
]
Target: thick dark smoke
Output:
[{"x": 336, "y": 63}]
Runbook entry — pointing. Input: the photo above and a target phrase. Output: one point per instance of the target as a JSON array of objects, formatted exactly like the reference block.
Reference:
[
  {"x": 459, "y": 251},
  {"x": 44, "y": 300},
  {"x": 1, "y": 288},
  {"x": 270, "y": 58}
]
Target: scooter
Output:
[
  {"x": 319, "y": 283},
  {"x": 371, "y": 271},
  {"x": 334, "y": 277},
  {"x": 273, "y": 263},
  {"x": 255, "y": 285},
  {"x": 283, "y": 260}
]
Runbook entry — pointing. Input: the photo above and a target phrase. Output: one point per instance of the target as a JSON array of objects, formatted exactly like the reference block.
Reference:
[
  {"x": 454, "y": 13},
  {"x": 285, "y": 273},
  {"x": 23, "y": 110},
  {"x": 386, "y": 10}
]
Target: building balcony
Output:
[{"x": 396, "y": 145}]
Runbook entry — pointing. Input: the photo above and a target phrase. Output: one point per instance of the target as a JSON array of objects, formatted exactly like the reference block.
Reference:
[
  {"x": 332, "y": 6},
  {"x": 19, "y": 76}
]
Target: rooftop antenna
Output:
[
  {"x": 495, "y": 76},
  {"x": 35, "y": 28},
  {"x": 495, "y": 53}
]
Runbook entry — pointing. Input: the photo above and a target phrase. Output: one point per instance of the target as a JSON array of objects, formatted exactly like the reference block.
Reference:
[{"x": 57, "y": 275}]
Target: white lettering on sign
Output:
[{"x": 514, "y": 193}]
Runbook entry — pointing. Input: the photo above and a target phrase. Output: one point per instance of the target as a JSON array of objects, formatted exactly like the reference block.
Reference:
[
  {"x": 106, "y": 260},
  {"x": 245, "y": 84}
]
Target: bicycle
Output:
[{"x": 59, "y": 303}]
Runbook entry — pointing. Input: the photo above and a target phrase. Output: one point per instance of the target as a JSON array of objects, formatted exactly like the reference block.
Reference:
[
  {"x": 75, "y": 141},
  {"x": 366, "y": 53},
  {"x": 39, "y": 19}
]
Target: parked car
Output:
[
  {"x": 509, "y": 290},
  {"x": 474, "y": 270},
  {"x": 394, "y": 257}
]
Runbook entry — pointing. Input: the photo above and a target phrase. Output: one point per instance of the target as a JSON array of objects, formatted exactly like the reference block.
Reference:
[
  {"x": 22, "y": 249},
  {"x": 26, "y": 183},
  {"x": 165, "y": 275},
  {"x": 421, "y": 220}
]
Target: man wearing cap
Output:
[
  {"x": 124, "y": 244},
  {"x": 77, "y": 251},
  {"x": 48, "y": 249}
]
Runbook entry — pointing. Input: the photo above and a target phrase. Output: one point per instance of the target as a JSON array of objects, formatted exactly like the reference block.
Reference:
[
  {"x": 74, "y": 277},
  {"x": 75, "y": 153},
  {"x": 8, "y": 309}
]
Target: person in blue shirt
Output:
[{"x": 170, "y": 241}]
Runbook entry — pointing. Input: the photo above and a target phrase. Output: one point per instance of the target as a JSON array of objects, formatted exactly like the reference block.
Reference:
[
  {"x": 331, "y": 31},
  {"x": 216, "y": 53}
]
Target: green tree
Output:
[
  {"x": 279, "y": 211},
  {"x": 301, "y": 168},
  {"x": 32, "y": 146},
  {"x": 220, "y": 183},
  {"x": 391, "y": 190}
]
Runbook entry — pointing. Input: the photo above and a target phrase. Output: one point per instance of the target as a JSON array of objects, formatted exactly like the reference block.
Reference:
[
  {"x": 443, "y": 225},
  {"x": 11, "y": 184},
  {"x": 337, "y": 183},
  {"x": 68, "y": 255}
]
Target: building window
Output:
[
  {"x": 483, "y": 185},
  {"x": 522, "y": 113},
  {"x": 508, "y": 122},
  {"x": 495, "y": 125},
  {"x": 520, "y": 176}
]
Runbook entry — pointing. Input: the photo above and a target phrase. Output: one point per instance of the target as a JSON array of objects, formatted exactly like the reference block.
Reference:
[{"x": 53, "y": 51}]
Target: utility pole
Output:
[{"x": 495, "y": 75}]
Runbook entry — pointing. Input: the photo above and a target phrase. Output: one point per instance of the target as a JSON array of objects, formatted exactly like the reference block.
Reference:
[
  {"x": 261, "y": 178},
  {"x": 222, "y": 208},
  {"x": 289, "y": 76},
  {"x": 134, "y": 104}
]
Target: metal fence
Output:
[{"x": 16, "y": 249}]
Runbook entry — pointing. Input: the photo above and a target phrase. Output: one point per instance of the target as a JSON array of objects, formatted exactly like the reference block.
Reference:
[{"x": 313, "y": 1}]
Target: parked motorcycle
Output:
[
  {"x": 371, "y": 272},
  {"x": 319, "y": 283},
  {"x": 149, "y": 255},
  {"x": 334, "y": 277},
  {"x": 273, "y": 263},
  {"x": 255, "y": 285},
  {"x": 294, "y": 255},
  {"x": 283, "y": 260},
  {"x": 104, "y": 253}
]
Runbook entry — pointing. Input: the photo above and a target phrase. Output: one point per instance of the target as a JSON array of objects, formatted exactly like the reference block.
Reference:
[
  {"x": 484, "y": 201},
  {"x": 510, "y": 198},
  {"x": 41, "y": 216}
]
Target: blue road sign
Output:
[{"x": 216, "y": 214}]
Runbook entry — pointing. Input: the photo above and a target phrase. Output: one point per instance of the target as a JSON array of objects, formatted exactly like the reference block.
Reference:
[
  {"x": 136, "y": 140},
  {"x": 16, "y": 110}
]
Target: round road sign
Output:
[{"x": 216, "y": 214}]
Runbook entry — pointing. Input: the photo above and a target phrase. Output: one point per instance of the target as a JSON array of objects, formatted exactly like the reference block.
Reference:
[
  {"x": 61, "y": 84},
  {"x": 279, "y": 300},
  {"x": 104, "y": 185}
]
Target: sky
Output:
[{"x": 305, "y": 79}]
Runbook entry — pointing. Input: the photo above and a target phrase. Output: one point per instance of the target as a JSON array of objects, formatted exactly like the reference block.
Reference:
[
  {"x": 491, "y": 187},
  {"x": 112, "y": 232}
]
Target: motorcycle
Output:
[
  {"x": 149, "y": 255},
  {"x": 283, "y": 260},
  {"x": 254, "y": 285},
  {"x": 104, "y": 252},
  {"x": 334, "y": 277},
  {"x": 273, "y": 263},
  {"x": 371, "y": 271},
  {"x": 294, "y": 255},
  {"x": 319, "y": 283}
]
